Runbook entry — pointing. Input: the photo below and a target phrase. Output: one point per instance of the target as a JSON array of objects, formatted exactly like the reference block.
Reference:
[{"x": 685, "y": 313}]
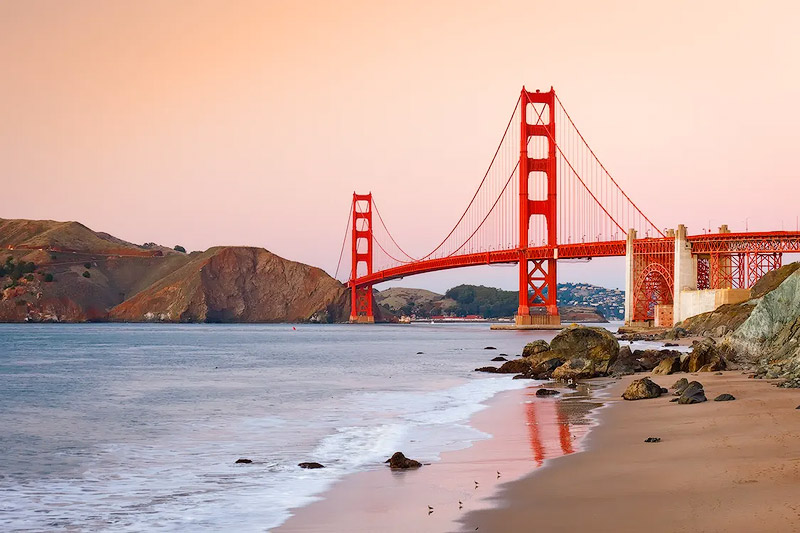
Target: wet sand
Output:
[
  {"x": 721, "y": 466},
  {"x": 527, "y": 430}
]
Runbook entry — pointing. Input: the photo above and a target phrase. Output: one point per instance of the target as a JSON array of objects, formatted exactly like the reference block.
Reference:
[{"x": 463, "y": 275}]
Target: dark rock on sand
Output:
[
  {"x": 401, "y": 462},
  {"x": 693, "y": 393},
  {"x": 680, "y": 385},
  {"x": 664, "y": 390},
  {"x": 489, "y": 348},
  {"x": 653, "y": 439},
  {"x": 724, "y": 398},
  {"x": 310, "y": 466},
  {"x": 243, "y": 461},
  {"x": 640, "y": 389},
  {"x": 490, "y": 369},
  {"x": 546, "y": 392},
  {"x": 572, "y": 385},
  {"x": 674, "y": 399},
  {"x": 499, "y": 358}
]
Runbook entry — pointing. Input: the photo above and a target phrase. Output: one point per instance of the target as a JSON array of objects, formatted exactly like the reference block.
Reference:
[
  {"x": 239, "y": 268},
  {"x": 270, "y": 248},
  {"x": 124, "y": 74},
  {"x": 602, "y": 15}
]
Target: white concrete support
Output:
[
  {"x": 629, "y": 276},
  {"x": 685, "y": 276}
]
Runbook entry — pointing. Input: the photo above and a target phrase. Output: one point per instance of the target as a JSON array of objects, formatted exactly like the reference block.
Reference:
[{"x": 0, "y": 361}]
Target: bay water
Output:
[{"x": 131, "y": 427}]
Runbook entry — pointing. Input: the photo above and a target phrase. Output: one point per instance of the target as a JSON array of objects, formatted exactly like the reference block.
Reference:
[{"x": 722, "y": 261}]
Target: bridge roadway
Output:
[{"x": 709, "y": 243}]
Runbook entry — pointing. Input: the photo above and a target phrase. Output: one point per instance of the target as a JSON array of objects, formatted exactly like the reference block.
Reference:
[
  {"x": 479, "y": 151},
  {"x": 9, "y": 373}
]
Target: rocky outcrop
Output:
[
  {"x": 724, "y": 398},
  {"x": 398, "y": 461},
  {"x": 641, "y": 389},
  {"x": 770, "y": 337},
  {"x": 705, "y": 356},
  {"x": 667, "y": 366}
]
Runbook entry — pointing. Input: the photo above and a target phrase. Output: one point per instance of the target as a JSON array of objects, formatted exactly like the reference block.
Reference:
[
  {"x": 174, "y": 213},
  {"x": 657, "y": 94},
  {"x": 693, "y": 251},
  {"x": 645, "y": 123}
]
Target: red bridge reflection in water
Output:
[{"x": 556, "y": 426}]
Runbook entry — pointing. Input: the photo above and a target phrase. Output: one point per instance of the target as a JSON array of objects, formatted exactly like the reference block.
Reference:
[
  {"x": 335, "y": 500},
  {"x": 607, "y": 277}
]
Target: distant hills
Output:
[
  {"x": 578, "y": 302},
  {"x": 65, "y": 272}
]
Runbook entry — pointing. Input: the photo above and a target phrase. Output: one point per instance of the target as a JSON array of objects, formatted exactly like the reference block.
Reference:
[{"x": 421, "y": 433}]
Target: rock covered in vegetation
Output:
[{"x": 641, "y": 389}]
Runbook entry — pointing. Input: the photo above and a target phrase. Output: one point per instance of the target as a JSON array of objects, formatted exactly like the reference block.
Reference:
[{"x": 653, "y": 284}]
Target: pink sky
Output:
[{"x": 205, "y": 123}]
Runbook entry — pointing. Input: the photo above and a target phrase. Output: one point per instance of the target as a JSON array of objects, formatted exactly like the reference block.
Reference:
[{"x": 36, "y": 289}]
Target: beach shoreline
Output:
[
  {"x": 721, "y": 466},
  {"x": 526, "y": 432}
]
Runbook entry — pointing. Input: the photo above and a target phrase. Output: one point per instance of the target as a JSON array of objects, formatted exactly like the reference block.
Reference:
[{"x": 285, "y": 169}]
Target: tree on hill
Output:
[{"x": 179, "y": 248}]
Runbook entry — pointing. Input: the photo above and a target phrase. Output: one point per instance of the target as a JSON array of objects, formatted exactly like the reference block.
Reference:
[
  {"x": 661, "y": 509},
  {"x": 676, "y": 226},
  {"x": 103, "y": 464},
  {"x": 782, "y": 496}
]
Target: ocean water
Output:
[{"x": 125, "y": 427}]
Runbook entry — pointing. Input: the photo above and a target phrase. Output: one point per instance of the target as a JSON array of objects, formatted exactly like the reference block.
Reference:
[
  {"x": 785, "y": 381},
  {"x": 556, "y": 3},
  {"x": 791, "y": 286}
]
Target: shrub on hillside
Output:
[
  {"x": 179, "y": 248},
  {"x": 86, "y": 274}
]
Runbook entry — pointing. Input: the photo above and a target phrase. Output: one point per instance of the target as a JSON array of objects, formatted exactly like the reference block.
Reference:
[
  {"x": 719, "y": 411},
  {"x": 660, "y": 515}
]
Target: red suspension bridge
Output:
[{"x": 546, "y": 196}]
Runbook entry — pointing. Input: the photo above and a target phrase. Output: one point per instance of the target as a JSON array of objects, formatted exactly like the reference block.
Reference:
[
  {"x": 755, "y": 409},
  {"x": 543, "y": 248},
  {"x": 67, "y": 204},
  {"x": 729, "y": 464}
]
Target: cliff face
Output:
[
  {"x": 235, "y": 284},
  {"x": 771, "y": 334}
]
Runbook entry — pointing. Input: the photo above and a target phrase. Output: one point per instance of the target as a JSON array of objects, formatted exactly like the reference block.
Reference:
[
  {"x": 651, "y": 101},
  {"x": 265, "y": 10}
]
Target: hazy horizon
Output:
[{"x": 208, "y": 123}]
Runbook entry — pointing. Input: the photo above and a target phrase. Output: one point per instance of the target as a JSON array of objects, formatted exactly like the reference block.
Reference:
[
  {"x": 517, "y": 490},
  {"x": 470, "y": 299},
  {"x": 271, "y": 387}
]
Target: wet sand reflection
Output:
[{"x": 556, "y": 424}]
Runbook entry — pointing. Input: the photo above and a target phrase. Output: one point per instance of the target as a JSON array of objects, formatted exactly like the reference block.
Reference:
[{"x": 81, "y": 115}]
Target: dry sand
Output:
[{"x": 721, "y": 466}]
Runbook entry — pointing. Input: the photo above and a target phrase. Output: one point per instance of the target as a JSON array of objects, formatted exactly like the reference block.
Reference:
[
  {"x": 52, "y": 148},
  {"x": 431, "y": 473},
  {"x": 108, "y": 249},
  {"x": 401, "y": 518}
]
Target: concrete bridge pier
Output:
[{"x": 685, "y": 277}]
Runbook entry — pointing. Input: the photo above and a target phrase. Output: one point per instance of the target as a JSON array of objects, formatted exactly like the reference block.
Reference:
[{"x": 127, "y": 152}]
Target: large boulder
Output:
[
  {"x": 588, "y": 351},
  {"x": 535, "y": 347},
  {"x": 667, "y": 366},
  {"x": 693, "y": 393},
  {"x": 641, "y": 389},
  {"x": 680, "y": 385}
]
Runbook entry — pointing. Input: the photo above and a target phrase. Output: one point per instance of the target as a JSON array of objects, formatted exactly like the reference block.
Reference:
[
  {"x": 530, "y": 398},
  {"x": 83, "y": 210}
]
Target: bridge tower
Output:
[
  {"x": 361, "y": 297},
  {"x": 537, "y": 277}
]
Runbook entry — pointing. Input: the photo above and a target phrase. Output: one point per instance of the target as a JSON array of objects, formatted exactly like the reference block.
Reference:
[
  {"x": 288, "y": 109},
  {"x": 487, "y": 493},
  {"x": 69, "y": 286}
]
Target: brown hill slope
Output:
[
  {"x": 235, "y": 284},
  {"x": 81, "y": 275},
  {"x": 53, "y": 235}
]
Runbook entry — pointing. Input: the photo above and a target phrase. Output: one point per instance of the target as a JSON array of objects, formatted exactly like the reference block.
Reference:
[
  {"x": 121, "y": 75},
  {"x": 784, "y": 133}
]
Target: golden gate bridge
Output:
[{"x": 545, "y": 197}]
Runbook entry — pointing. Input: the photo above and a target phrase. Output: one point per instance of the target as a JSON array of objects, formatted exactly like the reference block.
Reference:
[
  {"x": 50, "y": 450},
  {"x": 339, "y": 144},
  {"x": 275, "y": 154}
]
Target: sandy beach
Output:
[
  {"x": 721, "y": 466},
  {"x": 526, "y": 432}
]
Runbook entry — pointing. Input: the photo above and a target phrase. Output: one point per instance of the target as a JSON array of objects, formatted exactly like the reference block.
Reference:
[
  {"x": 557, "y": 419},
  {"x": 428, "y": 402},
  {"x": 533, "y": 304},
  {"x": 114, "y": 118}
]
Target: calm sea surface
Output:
[{"x": 137, "y": 427}]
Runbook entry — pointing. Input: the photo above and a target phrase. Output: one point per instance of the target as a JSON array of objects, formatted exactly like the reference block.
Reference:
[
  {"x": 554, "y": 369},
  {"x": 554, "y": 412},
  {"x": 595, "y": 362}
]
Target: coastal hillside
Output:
[
  {"x": 578, "y": 302},
  {"x": 65, "y": 272},
  {"x": 237, "y": 284}
]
